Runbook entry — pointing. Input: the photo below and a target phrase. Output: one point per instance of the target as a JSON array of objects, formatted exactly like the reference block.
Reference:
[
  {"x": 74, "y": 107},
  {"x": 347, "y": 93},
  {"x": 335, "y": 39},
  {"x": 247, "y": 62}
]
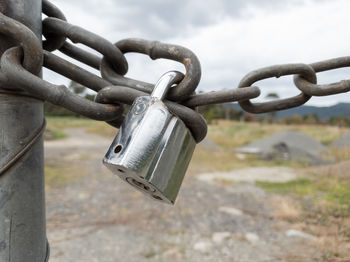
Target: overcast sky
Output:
[{"x": 231, "y": 38}]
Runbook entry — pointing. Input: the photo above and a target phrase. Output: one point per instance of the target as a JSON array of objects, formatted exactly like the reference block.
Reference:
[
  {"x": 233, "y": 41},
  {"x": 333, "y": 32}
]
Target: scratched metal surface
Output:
[{"x": 22, "y": 203}]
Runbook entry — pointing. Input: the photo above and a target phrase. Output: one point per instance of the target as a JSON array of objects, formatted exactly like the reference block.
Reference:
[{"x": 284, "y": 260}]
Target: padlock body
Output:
[{"x": 152, "y": 150}]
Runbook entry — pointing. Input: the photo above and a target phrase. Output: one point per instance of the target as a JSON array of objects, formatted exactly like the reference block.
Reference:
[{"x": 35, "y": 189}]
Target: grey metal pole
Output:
[{"x": 22, "y": 201}]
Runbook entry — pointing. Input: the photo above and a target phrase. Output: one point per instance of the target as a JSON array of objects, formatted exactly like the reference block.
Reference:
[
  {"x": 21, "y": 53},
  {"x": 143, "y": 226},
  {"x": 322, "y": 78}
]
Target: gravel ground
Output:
[{"x": 101, "y": 218}]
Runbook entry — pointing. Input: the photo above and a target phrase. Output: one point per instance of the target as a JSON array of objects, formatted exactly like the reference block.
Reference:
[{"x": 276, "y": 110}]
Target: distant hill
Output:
[{"x": 324, "y": 113}]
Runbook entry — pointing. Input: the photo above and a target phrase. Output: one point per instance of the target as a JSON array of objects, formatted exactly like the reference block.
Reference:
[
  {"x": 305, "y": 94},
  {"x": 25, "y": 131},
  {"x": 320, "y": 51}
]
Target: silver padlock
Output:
[{"x": 153, "y": 147}]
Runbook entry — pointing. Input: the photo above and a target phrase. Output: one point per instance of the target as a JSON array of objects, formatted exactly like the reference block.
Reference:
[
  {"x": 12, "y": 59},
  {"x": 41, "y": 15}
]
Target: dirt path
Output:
[{"x": 99, "y": 218}]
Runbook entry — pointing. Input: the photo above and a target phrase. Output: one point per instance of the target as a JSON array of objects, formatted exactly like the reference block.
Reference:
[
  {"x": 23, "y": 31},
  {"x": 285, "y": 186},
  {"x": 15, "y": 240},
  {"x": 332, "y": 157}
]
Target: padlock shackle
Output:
[{"x": 165, "y": 82}]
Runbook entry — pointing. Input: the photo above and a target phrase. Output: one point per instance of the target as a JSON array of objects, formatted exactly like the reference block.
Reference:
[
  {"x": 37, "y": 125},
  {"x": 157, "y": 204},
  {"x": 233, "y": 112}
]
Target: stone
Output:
[
  {"x": 252, "y": 238},
  {"x": 219, "y": 237},
  {"x": 241, "y": 156},
  {"x": 231, "y": 211},
  {"x": 203, "y": 246},
  {"x": 296, "y": 233}
]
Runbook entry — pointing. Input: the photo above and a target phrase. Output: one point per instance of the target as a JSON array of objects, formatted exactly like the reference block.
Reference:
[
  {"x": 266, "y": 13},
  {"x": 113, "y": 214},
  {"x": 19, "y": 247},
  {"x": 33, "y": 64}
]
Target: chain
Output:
[
  {"x": 305, "y": 80},
  {"x": 21, "y": 63}
]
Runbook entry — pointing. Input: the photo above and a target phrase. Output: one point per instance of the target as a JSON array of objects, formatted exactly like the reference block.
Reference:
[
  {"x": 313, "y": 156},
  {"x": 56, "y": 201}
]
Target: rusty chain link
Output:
[
  {"x": 324, "y": 90},
  {"x": 305, "y": 80},
  {"x": 276, "y": 71},
  {"x": 19, "y": 67}
]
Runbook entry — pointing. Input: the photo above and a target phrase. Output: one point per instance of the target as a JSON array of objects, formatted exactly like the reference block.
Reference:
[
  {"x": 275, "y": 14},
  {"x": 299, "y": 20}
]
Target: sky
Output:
[{"x": 230, "y": 37}]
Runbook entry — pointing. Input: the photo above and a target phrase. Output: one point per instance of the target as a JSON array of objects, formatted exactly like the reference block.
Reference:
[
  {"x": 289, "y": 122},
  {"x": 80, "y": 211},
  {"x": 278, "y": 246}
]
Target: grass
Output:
[
  {"x": 320, "y": 205},
  {"x": 91, "y": 126},
  {"x": 60, "y": 176},
  {"x": 55, "y": 176},
  {"x": 227, "y": 134},
  {"x": 230, "y": 134},
  {"x": 320, "y": 202},
  {"x": 150, "y": 254},
  {"x": 336, "y": 191},
  {"x": 54, "y": 134},
  {"x": 226, "y": 160},
  {"x": 299, "y": 187},
  {"x": 68, "y": 122},
  {"x": 339, "y": 154}
]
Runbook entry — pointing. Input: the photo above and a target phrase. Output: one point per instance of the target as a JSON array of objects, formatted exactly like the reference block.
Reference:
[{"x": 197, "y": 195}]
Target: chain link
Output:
[
  {"x": 19, "y": 67},
  {"x": 276, "y": 71},
  {"x": 33, "y": 55},
  {"x": 324, "y": 90},
  {"x": 305, "y": 79},
  {"x": 58, "y": 94},
  {"x": 79, "y": 35},
  {"x": 156, "y": 50},
  {"x": 52, "y": 41}
]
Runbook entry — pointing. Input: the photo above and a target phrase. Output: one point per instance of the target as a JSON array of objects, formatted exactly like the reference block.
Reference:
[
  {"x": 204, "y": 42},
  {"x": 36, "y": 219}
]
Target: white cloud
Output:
[
  {"x": 301, "y": 33},
  {"x": 230, "y": 46}
]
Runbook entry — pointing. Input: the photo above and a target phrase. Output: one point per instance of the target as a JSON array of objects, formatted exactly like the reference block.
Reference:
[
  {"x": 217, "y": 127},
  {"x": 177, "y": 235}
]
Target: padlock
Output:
[{"x": 153, "y": 147}]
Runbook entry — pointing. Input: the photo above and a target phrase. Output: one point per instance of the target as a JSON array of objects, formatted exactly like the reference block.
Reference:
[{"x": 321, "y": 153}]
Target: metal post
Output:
[{"x": 22, "y": 201}]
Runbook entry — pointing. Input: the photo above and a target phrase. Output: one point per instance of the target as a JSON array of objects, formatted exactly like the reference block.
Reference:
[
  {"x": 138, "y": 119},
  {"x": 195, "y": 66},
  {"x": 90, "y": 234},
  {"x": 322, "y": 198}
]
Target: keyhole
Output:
[{"x": 117, "y": 149}]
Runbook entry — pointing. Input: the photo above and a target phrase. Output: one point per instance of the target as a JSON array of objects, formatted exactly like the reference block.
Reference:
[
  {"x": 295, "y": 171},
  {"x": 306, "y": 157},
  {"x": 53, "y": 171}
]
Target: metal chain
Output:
[
  {"x": 276, "y": 71},
  {"x": 305, "y": 80},
  {"x": 19, "y": 66}
]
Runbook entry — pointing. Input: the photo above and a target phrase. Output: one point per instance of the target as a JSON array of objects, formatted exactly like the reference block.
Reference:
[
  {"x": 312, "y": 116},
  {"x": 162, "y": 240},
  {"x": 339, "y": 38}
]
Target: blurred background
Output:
[{"x": 269, "y": 187}]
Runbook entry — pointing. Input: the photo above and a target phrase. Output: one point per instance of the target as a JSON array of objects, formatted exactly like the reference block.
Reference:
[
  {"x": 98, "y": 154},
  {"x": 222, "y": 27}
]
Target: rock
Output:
[
  {"x": 281, "y": 151},
  {"x": 290, "y": 138},
  {"x": 203, "y": 246},
  {"x": 231, "y": 211},
  {"x": 296, "y": 233},
  {"x": 241, "y": 156},
  {"x": 83, "y": 196},
  {"x": 219, "y": 237},
  {"x": 252, "y": 237},
  {"x": 287, "y": 146}
]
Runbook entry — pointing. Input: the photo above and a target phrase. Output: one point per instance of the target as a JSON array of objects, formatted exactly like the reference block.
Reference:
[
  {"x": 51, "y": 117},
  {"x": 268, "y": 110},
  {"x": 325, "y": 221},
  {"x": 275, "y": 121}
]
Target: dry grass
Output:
[
  {"x": 54, "y": 134},
  {"x": 57, "y": 176},
  {"x": 227, "y": 134},
  {"x": 91, "y": 126},
  {"x": 340, "y": 170},
  {"x": 230, "y": 134},
  {"x": 338, "y": 154},
  {"x": 320, "y": 206},
  {"x": 286, "y": 208},
  {"x": 206, "y": 160},
  {"x": 69, "y": 122}
]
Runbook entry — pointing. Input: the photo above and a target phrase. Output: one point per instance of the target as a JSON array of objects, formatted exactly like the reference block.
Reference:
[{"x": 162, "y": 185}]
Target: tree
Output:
[{"x": 211, "y": 112}]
